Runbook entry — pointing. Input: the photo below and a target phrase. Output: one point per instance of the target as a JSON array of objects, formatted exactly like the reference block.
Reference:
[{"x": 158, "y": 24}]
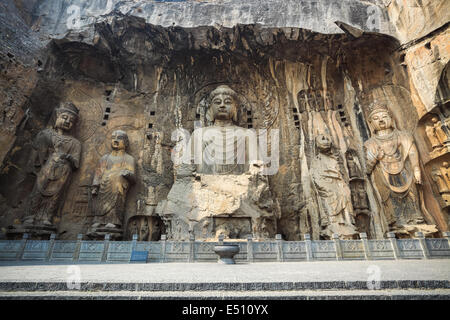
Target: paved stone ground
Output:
[
  {"x": 440, "y": 294},
  {"x": 317, "y": 271}
]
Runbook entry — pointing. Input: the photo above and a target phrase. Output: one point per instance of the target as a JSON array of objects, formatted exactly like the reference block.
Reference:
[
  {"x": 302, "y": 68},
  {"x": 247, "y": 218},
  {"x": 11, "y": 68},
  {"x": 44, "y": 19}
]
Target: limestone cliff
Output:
[{"x": 304, "y": 68}]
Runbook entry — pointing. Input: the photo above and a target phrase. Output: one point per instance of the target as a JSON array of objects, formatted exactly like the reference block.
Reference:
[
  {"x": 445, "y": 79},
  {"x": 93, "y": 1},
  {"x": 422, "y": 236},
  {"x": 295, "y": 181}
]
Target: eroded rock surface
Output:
[{"x": 148, "y": 68}]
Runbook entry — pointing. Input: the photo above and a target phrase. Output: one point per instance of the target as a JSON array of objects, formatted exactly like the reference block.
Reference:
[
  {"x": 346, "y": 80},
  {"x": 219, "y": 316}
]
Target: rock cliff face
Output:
[{"x": 301, "y": 68}]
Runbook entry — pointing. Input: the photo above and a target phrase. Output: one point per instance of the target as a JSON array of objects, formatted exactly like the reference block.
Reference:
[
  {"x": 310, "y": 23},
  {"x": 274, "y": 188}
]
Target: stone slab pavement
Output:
[
  {"x": 441, "y": 294},
  {"x": 315, "y": 271}
]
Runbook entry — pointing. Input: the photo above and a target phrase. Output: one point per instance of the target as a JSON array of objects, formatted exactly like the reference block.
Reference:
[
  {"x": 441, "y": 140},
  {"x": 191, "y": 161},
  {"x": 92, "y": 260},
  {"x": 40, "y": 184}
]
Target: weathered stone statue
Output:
[
  {"x": 353, "y": 169},
  {"x": 392, "y": 159},
  {"x": 334, "y": 194},
  {"x": 113, "y": 177},
  {"x": 319, "y": 101},
  {"x": 443, "y": 138},
  {"x": 431, "y": 134},
  {"x": 144, "y": 231},
  {"x": 440, "y": 176},
  {"x": 220, "y": 154},
  {"x": 446, "y": 171},
  {"x": 55, "y": 156},
  {"x": 224, "y": 193},
  {"x": 311, "y": 97},
  {"x": 302, "y": 101},
  {"x": 363, "y": 204}
]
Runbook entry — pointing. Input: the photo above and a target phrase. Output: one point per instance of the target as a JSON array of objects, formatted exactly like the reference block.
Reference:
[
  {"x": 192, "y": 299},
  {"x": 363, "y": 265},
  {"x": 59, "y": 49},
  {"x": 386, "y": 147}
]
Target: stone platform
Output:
[{"x": 413, "y": 279}]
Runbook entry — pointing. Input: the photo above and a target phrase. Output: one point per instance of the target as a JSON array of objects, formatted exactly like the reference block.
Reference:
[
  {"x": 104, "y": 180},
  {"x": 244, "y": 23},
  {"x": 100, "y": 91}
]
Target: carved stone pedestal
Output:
[
  {"x": 37, "y": 232},
  {"x": 408, "y": 231}
]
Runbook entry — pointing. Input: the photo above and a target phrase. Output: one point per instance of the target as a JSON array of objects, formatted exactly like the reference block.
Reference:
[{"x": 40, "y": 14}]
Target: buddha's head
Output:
[
  {"x": 323, "y": 143},
  {"x": 66, "y": 116},
  {"x": 380, "y": 118},
  {"x": 119, "y": 140},
  {"x": 223, "y": 104}
]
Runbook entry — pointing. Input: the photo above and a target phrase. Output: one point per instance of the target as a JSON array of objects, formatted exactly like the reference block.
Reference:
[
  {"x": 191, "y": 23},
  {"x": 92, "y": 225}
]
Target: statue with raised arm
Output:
[
  {"x": 393, "y": 161},
  {"x": 113, "y": 178}
]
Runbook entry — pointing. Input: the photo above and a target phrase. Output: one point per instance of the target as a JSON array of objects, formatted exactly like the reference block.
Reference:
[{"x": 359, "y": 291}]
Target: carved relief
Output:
[
  {"x": 311, "y": 84},
  {"x": 145, "y": 227},
  {"x": 437, "y": 137},
  {"x": 152, "y": 157},
  {"x": 335, "y": 204},
  {"x": 393, "y": 161},
  {"x": 113, "y": 177},
  {"x": 223, "y": 114},
  {"x": 442, "y": 178},
  {"x": 220, "y": 194},
  {"x": 80, "y": 206}
]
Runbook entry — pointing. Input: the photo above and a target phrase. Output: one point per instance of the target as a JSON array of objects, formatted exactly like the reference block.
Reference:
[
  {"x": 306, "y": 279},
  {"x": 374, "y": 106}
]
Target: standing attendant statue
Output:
[
  {"x": 114, "y": 175},
  {"x": 337, "y": 215},
  {"x": 56, "y": 154},
  {"x": 393, "y": 161},
  {"x": 220, "y": 153}
]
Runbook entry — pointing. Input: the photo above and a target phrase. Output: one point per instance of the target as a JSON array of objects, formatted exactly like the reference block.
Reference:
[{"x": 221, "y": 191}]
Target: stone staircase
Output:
[{"x": 336, "y": 290}]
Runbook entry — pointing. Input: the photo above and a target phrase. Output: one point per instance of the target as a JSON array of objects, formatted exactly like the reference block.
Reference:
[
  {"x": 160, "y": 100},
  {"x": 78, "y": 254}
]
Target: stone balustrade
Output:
[{"x": 165, "y": 250}]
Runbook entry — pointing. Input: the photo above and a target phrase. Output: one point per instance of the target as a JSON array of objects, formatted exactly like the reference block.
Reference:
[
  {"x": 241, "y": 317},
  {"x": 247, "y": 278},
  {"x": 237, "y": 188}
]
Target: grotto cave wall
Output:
[{"x": 147, "y": 69}]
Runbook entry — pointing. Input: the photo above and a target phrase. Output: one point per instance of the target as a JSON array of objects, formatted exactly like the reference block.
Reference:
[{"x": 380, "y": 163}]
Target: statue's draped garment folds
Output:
[
  {"x": 393, "y": 160},
  {"x": 57, "y": 155},
  {"x": 396, "y": 164},
  {"x": 334, "y": 194},
  {"x": 333, "y": 191},
  {"x": 113, "y": 177},
  {"x": 231, "y": 143}
]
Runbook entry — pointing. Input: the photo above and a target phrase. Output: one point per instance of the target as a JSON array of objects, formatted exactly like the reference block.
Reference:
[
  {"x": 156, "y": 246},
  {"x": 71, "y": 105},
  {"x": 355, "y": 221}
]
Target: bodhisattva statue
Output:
[
  {"x": 113, "y": 177},
  {"x": 393, "y": 161},
  {"x": 337, "y": 216},
  {"x": 55, "y": 156}
]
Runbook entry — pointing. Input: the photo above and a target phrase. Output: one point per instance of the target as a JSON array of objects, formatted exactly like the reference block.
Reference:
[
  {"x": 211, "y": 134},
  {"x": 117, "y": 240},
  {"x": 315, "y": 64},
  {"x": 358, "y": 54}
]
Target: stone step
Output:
[
  {"x": 139, "y": 287},
  {"x": 394, "y": 294}
]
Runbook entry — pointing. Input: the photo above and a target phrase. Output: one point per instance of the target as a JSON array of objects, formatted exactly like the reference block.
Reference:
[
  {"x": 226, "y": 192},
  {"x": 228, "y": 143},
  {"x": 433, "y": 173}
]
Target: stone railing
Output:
[{"x": 250, "y": 251}]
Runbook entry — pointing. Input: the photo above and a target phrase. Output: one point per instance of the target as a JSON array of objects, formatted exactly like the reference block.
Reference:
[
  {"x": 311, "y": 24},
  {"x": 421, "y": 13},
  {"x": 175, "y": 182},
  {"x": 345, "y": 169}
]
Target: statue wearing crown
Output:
[
  {"x": 56, "y": 154},
  {"x": 393, "y": 162}
]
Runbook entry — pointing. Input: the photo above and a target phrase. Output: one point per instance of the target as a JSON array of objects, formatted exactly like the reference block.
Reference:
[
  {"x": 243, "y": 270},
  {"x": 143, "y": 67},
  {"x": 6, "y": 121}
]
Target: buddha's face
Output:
[
  {"x": 323, "y": 142},
  {"x": 381, "y": 120},
  {"x": 118, "y": 140},
  {"x": 223, "y": 106},
  {"x": 65, "y": 121}
]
